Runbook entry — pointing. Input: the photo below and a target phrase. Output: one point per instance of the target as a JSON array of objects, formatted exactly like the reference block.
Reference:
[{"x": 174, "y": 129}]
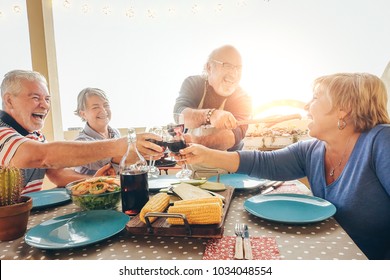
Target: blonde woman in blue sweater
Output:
[{"x": 347, "y": 162}]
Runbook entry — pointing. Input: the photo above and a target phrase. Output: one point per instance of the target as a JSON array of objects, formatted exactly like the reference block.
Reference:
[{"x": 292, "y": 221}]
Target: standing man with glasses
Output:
[{"x": 212, "y": 103}]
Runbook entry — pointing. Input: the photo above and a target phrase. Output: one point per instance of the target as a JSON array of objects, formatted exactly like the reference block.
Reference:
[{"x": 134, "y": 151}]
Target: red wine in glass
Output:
[
  {"x": 161, "y": 143},
  {"x": 176, "y": 131},
  {"x": 176, "y": 145}
]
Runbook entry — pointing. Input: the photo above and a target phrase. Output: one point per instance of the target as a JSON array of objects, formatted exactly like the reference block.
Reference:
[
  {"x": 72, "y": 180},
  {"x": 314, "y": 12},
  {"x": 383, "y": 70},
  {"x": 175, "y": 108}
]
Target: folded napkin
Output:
[
  {"x": 292, "y": 187},
  {"x": 263, "y": 248}
]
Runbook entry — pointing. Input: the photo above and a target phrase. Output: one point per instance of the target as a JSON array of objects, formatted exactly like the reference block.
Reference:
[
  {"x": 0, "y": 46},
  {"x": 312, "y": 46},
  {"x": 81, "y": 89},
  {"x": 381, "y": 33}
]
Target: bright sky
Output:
[{"x": 139, "y": 52}]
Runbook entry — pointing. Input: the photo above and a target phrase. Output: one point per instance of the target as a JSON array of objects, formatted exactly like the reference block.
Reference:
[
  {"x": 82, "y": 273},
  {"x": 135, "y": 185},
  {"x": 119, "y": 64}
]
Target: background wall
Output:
[{"x": 14, "y": 39}]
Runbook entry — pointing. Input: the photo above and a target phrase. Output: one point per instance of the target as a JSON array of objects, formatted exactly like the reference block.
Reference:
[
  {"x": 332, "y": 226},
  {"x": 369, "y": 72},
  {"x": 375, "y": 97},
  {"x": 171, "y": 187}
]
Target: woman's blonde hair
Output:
[{"x": 363, "y": 95}]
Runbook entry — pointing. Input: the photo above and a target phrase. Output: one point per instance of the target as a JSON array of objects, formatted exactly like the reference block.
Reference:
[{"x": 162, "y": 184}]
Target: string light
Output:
[
  {"x": 219, "y": 8},
  {"x": 67, "y": 4},
  {"x": 106, "y": 10},
  {"x": 85, "y": 8},
  {"x": 195, "y": 9},
  {"x": 151, "y": 13},
  {"x": 130, "y": 13},
  {"x": 242, "y": 3},
  {"x": 17, "y": 9}
]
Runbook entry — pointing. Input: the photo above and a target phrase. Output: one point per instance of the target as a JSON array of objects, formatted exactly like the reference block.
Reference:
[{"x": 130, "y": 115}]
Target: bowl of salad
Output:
[{"x": 97, "y": 193}]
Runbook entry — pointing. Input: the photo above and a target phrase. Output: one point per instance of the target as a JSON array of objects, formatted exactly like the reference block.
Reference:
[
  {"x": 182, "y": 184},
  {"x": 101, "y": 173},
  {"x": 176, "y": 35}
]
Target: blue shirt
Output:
[{"x": 361, "y": 193}]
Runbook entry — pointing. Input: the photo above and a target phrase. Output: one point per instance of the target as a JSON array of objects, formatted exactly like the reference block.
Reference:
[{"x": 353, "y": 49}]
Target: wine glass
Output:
[
  {"x": 153, "y": 171},
  {"x": 176, "y": 142}
]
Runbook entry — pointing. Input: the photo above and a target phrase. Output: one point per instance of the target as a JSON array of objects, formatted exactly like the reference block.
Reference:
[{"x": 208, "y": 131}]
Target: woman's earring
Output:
[{"x": 341, "y": 124}]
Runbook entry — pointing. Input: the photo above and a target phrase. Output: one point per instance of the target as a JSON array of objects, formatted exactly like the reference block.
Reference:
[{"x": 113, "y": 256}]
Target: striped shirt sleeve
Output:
[
  {"x": 10, "y": 141},
  {"x": 33, "y": 186}
]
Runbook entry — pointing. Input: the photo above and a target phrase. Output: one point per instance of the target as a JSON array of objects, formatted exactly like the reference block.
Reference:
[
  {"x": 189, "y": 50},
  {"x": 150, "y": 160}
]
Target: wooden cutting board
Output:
[{"x": 161, "y": 227}]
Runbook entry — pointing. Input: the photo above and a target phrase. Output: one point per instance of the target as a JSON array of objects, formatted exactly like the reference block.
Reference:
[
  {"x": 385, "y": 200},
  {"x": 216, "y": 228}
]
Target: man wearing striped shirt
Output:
[{"x": 26, "y": 103}]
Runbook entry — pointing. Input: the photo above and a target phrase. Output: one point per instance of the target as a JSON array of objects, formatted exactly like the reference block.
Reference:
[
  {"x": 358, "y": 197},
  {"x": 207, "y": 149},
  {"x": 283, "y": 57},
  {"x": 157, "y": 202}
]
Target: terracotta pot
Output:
[{"x": 14, "y": 218}]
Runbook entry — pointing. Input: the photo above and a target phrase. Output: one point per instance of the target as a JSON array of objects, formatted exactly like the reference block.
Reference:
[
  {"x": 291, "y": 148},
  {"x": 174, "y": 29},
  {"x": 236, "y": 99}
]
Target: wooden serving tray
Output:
[{"x": 160, "y": 227}]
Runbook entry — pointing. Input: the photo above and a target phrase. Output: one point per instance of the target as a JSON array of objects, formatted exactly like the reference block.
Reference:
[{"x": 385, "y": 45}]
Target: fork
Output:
[{"x": 239, "y": 250}]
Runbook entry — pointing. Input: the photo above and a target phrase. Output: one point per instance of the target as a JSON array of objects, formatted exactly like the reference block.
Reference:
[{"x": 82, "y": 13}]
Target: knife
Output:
[
  {"x": 216, "y": 195},
  {"x": 266, "y": 185},
  {"x": 247, "y": 245},
  {"x": 271, "y": 187}
]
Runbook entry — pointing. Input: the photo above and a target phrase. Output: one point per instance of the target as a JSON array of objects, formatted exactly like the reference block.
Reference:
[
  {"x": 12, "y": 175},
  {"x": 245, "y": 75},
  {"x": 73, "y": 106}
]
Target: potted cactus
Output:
[{"x": 14, "y": 208}]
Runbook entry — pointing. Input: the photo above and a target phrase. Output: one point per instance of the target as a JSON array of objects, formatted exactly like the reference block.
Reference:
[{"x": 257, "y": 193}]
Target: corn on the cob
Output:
[
  {"x": 200, "y": 214},
  {"x": 158, "y": 203},
  {"x": 199, "y": 201}
]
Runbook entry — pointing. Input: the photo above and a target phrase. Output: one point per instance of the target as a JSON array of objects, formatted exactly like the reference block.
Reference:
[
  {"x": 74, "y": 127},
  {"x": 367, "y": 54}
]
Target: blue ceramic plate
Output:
[
  {"x": 76, "y": 229},
  {"x": 290, "y": 208},
  {"x": 239, "y": 181},
  {"x": 49, "y": 198}
]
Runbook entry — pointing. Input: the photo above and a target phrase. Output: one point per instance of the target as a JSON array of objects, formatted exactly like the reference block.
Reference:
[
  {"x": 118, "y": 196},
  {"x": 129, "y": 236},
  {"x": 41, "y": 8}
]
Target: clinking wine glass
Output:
[
  {"x": 176, "y": 142},
  {"x": 153, "y": 171}
]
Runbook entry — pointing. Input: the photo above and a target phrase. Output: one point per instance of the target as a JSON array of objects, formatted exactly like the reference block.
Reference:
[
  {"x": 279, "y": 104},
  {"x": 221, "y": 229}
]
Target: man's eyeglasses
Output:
[{"x": 228, "y": 66}]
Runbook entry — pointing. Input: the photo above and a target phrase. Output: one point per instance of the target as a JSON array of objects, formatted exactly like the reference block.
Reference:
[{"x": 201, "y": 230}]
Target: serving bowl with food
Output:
[{"x": 97, "y": 193}]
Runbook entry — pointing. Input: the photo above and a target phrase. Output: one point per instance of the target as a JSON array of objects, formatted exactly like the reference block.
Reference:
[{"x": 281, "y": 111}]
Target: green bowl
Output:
[{"x": 104, "y": 201}]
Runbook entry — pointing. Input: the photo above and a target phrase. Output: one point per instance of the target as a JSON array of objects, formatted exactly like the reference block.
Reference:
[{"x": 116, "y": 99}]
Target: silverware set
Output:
[
  {"x": 243, "y": 249},
  {"x": 270, "y": 186}
]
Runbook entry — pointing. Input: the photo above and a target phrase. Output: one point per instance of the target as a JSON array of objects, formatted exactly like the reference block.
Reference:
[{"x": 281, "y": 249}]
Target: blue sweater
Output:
[{"x": 361, "y": 194}]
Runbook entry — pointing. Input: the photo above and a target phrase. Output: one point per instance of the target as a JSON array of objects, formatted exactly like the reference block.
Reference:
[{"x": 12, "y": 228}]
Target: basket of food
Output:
[{"x": 96, "y": 193}]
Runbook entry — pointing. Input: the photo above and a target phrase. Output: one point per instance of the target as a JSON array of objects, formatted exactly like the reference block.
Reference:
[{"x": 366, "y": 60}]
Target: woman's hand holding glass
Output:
[
  {"x": 199, "y": 154},
  {"x": 176, "y": 142}
]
